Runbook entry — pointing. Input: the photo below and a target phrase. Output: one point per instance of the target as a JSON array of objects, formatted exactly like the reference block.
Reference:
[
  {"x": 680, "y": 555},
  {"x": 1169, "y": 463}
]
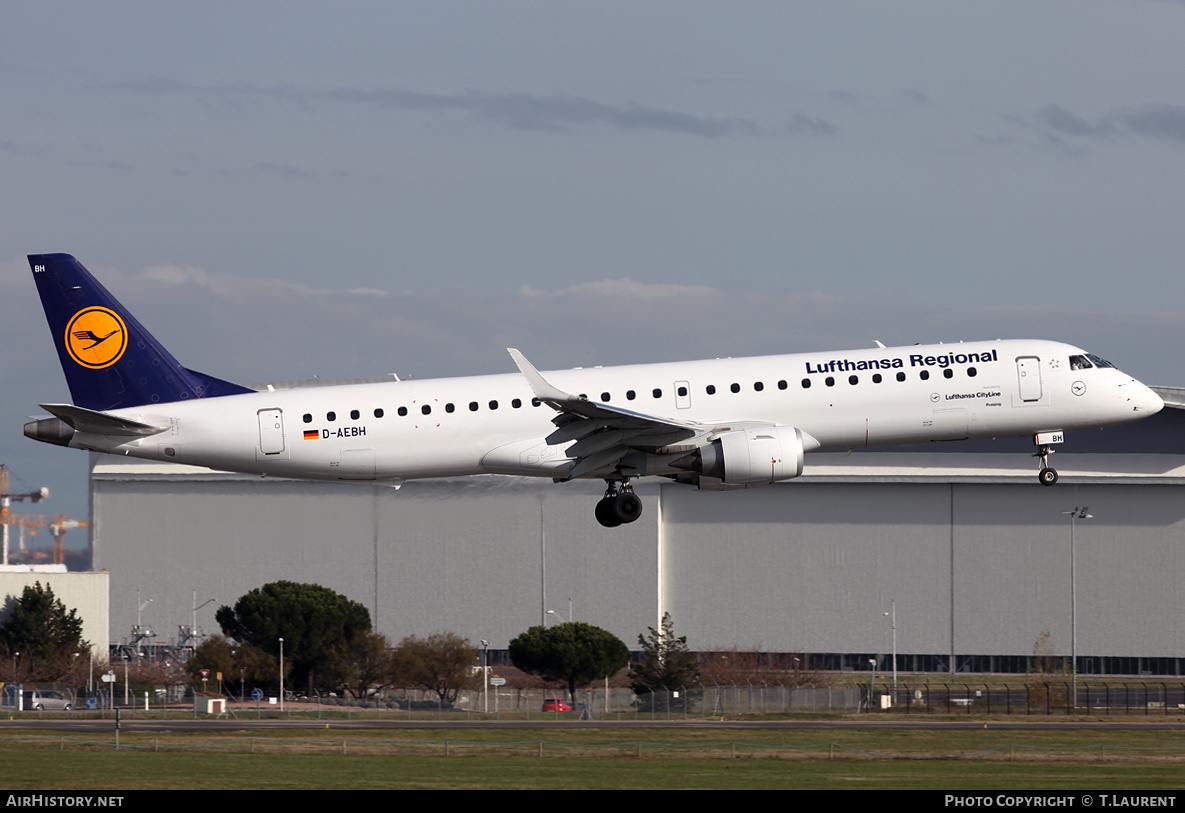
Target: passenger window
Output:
[
  {"x": 308, "y": 418},
  {"x": 710, "y": 389},
  {"x": 605, "y": 397},
  {"x": 426, "y": 409},
  {"x": 493, "y": 404},
  {"x": 757, "y": 385},
  {"x": 735, "y": 387},
  {"x": 449, "y": 408},
  {"x": 948, "y": 373},
  {"x": 536, "y": 402},
  {"x": 900, "y": 376},
  {"x": 876, "y": 378},
  {"x": 516, "y": 403},
  {"x": 830, "y": 382},
  {"x": 972, "y": 372},
  {"x": 378, "y": 413},
  {"x": 402, "y": 412},
  {"x": 924, "y": 375},
  {"x": 853, "y": 380},
  {"x": 782, "y": 384},
  {"x": 630, "y": 395},
  {"x": 354, "y": 414},
  {"x": 331, "y": 416},
  {"x": 473, "y": 406},
  {"x": 682, "y": 392},
  {"x": 806, "y": 383},
  {"x": 657, "y": 393}
]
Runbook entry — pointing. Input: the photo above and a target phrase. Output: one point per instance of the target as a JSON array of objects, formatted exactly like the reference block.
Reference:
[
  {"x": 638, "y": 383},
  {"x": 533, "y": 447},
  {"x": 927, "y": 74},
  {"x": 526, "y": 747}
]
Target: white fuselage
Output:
[{"x": 492, "y": 424}]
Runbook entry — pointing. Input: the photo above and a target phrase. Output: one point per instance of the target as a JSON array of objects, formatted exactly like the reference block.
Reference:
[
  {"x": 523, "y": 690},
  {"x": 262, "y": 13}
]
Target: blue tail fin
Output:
[{"x": 109, "y": 359}]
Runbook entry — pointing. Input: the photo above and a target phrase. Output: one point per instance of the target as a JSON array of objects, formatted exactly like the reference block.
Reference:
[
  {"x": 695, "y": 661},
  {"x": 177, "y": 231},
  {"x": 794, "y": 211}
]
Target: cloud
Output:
[
  {"x": 800, "y": 123},
  {"x": 1058, "y": 118},
  {"x": 1164, "y": 121},
  {"x": 520, "y": 111},
  {"x": 555, "y": 112},
  {"x": 1160, "y": 121},
  {"x": 625, "y": 289}
]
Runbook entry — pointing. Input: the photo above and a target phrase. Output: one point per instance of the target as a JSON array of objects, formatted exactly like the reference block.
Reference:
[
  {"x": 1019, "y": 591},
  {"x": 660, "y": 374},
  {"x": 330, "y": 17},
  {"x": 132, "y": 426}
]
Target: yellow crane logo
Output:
[{"x": 96, "y": 337}]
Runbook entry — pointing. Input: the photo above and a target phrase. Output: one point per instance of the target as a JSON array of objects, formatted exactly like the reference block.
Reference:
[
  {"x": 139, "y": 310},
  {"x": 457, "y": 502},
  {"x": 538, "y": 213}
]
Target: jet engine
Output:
[{"x": 749, "y": 457}]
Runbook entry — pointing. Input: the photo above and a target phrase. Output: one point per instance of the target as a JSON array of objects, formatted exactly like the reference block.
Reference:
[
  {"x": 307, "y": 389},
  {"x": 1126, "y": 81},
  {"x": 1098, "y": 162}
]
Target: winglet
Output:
[{"x": 539, "y": 385}]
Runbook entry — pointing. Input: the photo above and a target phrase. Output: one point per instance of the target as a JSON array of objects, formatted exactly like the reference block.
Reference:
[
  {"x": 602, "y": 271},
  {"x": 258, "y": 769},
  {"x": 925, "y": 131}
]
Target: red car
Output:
[{"x": 555, "y": 704}]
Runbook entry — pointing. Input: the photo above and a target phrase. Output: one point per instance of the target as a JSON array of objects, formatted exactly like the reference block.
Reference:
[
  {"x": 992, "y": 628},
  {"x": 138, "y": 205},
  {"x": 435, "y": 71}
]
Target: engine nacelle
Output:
[{"x": 752, "y": 457}]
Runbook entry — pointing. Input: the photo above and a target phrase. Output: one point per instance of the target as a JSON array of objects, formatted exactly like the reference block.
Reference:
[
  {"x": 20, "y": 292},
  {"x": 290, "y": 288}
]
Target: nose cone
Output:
[
  {"x": 1152, "y": 403},
  {"x": 1143, "y": 400}
]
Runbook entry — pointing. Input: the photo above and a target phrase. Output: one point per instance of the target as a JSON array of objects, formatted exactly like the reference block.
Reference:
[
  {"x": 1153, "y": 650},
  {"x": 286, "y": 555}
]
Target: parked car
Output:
[
  {"x": 555, "y": 704},
  {"x": 45, "y": 700}
]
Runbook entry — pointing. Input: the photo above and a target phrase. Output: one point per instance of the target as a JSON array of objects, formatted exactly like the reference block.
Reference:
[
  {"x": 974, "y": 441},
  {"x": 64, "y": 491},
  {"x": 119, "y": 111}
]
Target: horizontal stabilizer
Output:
[{"x": 99, "y": 423}]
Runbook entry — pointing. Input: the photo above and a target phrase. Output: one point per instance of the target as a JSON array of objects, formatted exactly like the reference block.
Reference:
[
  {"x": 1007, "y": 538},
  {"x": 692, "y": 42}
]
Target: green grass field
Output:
[{"x": 598, "y": 758}]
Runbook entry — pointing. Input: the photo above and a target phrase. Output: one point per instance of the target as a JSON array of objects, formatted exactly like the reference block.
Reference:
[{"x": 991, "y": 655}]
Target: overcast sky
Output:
[{"x": 282, "y": 190}]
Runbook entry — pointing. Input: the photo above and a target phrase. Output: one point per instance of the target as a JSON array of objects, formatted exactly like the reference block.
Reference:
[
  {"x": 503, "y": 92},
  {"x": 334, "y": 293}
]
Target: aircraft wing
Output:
[{"x": 606, "y": 434}]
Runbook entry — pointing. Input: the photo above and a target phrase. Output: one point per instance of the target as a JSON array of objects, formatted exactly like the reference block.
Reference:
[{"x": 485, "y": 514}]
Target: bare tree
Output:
[
  {"x": 723, "y": 667},
  {"x": 443, "y": 663}
]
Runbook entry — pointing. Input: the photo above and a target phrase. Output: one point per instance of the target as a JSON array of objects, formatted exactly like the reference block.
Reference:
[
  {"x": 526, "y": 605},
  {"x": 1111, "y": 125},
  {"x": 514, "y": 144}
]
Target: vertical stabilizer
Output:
[{"x": 109, "y": 359}]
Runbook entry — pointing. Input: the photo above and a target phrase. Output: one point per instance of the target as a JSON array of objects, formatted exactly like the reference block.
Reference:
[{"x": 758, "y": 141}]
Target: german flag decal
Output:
[{"x": 311, "y": 434}]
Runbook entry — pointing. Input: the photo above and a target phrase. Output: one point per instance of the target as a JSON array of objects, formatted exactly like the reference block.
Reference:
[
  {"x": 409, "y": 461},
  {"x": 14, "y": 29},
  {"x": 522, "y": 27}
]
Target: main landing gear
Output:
[
  {"x": 618, "y": 506},
  {"x": 1046, "y": 476}
]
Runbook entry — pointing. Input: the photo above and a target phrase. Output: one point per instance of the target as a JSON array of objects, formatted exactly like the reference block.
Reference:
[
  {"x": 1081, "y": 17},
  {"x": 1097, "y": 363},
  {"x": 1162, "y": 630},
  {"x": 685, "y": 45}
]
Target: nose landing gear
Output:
[
  {"x": 618, "y": 506},
  {"x": 1047, "y": 476}
]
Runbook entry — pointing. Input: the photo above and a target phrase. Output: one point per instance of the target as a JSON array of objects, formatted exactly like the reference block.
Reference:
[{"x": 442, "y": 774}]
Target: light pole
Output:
[
  {"x": 193, "y": 619},
  {"x": 485, "y": 675},
  {"x": 892, "y": 614},
  {"x": 281, "y": 675},
  {"x": 872, "y": 683},
  {"x": 1075, "y": 515}
]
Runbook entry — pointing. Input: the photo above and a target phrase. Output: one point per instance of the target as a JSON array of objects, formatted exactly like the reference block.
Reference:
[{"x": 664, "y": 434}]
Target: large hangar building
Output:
[{"x": 960, "y": 539}]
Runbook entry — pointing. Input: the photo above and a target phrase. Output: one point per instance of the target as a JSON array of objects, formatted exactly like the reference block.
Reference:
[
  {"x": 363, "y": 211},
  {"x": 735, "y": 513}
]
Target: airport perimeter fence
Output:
[
  {"x": 499, "y": 703},
  {"x": 1037, "y": 697}
]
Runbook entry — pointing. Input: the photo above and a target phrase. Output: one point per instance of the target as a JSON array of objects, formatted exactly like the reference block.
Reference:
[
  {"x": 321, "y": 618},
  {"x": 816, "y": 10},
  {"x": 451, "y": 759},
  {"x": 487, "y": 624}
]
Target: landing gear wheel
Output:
[
  {"x": 1046, "y": 476},
  {"x": 605, "y": 513},
  {"x": 618, "y": 507},
  {"x": 627, "y": 506}
]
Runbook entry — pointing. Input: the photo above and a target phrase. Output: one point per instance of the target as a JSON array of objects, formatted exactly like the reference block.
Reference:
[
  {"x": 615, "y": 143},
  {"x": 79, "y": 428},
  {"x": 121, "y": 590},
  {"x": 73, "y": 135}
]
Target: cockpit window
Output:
[
  {"x": 1098, "y": 362},
  {"x": 1079, "y": 363}
]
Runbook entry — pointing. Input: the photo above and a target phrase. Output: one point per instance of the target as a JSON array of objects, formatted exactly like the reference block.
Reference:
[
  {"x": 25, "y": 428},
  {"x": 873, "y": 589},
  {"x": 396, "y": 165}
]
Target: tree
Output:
[
  {"x": 41, "y": 629},
  {"x": 442, "y": 662},
  {"x": 218, "y": 654},
  {"x": 368, "y": 664},
  {"x": 318, "y": 627},
  {"x": 666, "y": 662},
  {"x": 575, "y": 653}
]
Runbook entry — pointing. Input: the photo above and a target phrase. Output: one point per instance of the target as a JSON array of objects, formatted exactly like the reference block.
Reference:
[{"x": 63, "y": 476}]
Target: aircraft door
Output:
[
  {"x": 271, "y": 431},
  {"x": 682, "y": 394},
  {"x": 1028, "y": 373}
]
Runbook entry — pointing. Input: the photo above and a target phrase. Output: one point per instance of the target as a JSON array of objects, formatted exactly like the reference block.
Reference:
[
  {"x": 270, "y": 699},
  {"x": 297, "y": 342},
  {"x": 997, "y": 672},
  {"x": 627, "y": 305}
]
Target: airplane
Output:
[{"x": 715, "y": 424}]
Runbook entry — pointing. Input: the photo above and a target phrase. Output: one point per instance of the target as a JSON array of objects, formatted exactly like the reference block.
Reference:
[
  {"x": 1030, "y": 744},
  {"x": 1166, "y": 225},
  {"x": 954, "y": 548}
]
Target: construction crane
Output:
[
  {"x": 62, "y": 523},
  {"x": 6, "y": 498}
]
